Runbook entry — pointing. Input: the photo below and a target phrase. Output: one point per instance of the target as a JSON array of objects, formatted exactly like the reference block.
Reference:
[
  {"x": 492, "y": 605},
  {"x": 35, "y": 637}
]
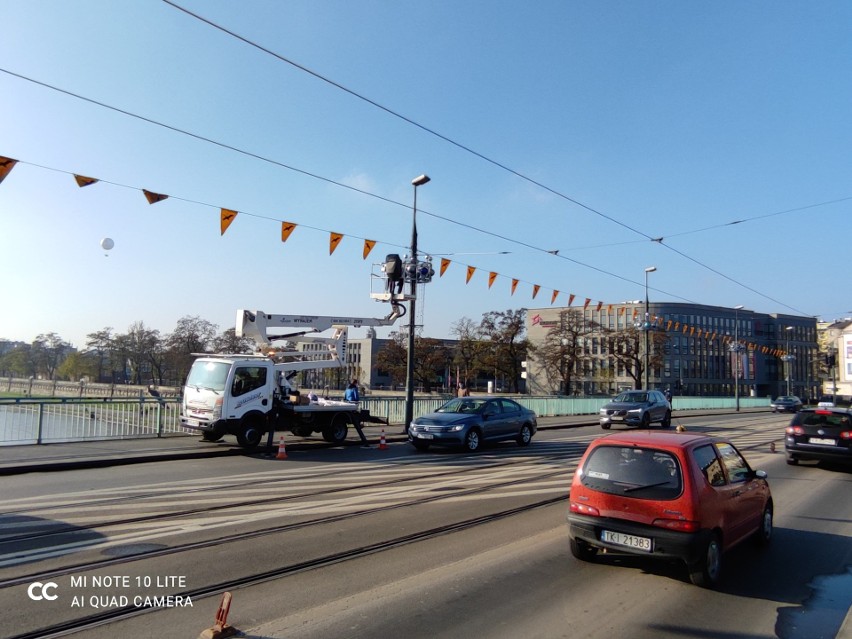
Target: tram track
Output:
[
  {"x": 438, "y": 494},
  {"x": 116, "y": 614}
]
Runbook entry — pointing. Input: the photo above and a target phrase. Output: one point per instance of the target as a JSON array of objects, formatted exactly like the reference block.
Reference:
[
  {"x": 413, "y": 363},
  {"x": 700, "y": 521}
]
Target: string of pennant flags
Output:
[{"x": 227, "y": 217}]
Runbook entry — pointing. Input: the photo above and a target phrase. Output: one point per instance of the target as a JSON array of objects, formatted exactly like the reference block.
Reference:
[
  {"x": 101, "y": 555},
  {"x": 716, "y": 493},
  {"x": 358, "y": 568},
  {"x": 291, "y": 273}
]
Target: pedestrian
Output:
[
  {"x": 351, "y": 395},
  {"x": 669, "y": 395}
]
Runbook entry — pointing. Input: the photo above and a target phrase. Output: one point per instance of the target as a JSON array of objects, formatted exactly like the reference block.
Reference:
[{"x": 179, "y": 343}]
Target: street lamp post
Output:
[
  {"x": 412, "y": 274},
  {"x": 788, "y": 359},
  {"x": 647, "y": 325},
  {"x": 736, "y": 351}
]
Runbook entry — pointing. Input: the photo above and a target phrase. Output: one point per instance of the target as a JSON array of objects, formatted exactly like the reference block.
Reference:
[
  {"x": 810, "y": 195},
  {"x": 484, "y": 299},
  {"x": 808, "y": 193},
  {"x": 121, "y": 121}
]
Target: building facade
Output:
[{"x": 702, "y": 348}]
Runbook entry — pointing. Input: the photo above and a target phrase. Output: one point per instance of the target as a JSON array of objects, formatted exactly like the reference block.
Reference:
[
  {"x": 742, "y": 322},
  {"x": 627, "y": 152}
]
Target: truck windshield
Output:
[{"x": 210, "y": 375}]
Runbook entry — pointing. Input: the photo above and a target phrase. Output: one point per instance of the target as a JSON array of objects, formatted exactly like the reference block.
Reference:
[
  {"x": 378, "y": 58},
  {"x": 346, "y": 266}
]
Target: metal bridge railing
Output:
[{"x": 42, "y": 421}]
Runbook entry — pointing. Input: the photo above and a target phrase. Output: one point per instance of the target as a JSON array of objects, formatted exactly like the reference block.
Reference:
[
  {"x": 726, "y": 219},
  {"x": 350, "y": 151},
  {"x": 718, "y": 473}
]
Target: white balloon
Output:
[{"x": 107, "y": 243}]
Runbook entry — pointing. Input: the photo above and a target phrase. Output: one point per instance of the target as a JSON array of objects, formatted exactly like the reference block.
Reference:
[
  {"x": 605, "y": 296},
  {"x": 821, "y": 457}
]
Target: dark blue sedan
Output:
[{"x": 469, "y": 422}]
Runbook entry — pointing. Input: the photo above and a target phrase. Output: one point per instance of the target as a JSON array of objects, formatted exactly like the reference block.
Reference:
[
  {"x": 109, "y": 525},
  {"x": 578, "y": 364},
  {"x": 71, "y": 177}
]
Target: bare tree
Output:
[
  {"x": 465, "y": 352},
  {"x": 626, "y": 347},
  {"x": 101, "y": 343},
  {"x": 228, "y": 342},
  {"x": 191, "y": 335},
  {"x": 563, "y": 353},
  {"x": 135, "y": 348}
]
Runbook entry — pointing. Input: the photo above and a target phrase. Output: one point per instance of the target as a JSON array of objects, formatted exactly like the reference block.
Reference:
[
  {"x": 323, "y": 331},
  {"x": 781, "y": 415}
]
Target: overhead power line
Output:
[{"x": 355, "y": 94}]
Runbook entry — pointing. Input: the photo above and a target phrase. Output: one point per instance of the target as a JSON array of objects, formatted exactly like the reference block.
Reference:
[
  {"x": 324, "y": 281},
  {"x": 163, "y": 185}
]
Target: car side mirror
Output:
[{"x": 760, "y": 474}]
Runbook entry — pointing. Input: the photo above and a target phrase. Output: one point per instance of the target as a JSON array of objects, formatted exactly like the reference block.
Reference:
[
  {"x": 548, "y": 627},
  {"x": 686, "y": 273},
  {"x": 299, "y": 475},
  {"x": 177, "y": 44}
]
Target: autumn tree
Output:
[
  {"x": 503, "y": 344},
  {"x": 430, "y": 359}
]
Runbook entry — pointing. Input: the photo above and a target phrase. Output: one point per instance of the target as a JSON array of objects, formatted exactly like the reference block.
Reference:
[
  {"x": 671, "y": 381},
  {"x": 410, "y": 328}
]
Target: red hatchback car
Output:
[{"x": 668, "y": 495}]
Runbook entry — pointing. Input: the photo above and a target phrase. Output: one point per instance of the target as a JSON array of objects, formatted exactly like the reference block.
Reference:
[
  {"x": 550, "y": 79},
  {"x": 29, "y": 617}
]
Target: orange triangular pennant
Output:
[
  {"x": 609, "y": 309},
  {"x": 535, "y": 290},
  {"x": 286, "y": 229},
  {"x": 444, "y": 264},
  {"x": 6, "y": 166},
  {"x": 226, "y": 216},
  {"x": 153, "y": 198},
  {"x": 82, "y": 180},
  {"x": 470, "y": 270},
  {"x": 333, "y": 241},
  {"x": 599, "y": 306},
  {"x": 368, "y": 246},
  {"x": 514, "y": 285},
  {"x": 571, "y": 299},
  {"x": 491, "y": 277},
  {"x": 586, "y": 303}
]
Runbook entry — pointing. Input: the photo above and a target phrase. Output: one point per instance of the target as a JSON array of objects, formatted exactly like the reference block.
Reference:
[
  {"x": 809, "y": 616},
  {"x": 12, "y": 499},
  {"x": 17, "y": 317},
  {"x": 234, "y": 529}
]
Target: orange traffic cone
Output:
[
  {"x": 282, "y": 450},
  {"x": 383, "y": 445}
]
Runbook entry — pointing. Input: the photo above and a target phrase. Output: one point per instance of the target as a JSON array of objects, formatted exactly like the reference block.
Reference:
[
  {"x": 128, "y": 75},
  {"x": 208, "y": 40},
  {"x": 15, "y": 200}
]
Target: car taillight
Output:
[
  {"x": 846, "y": 434},
  {"x": 680, "y": 525},
  {"x": 583, "y": 509},
  {"x": 795, "y": 430}
]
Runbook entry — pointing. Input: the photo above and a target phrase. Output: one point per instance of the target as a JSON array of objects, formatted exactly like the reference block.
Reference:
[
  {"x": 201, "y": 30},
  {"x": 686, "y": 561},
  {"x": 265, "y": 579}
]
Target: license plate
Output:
[
  {"x": 192, "y": 422},
  {"x": 630, "y": 541},
  {"x": 823, "y": 441},
  {"x": 425, "y": 436}
]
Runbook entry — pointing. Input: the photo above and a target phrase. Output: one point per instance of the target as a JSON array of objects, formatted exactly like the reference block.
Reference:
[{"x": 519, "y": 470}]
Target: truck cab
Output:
[{"x": 230, "y": 395}]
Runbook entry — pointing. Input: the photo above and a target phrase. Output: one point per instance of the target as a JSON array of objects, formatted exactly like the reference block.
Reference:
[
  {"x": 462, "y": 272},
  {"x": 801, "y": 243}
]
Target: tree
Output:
[
  {"x": 503, "y": 345},
  {"x": 191, "y": 335},
  {"x": 20, "y": 361},
  {"x": 136, "y": 348},
  {"x": 430, "y": 357},
  {"x": 626, "y": 346},
  {"x": 101, "y": 345},
  {"x": 563, "y": 352},
  {"x": 228, "y": 342},
  {"x": 49, "y": 350},
  {"x": 465, "y": 352},
  {"x": 77, "y": 366}
]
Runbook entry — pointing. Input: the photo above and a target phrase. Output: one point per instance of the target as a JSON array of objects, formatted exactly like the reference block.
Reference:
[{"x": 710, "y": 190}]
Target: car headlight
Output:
[
  {"x": 457, "y": 428},
  {"x": 635, "y": 411}
]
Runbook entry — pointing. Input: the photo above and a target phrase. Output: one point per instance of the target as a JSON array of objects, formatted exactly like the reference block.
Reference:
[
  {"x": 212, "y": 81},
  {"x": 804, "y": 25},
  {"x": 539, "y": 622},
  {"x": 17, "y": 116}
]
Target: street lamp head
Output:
[
  {"x": 650, "y": 269},
  {"x": 789, "y": 328},
  {"x": 739, "y": 307},
  {"x": 420, "y": 180}
]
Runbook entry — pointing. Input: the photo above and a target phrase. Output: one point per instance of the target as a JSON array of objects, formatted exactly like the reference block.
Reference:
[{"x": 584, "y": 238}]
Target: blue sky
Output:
[{"x": 619, "y": 122}]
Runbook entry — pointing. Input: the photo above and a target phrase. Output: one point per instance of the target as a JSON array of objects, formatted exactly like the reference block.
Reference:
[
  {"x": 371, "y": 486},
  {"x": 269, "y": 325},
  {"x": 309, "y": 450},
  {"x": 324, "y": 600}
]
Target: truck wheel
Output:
[
  {"x": 250, "y": 434},
  {"x": 336, "y": 431}
]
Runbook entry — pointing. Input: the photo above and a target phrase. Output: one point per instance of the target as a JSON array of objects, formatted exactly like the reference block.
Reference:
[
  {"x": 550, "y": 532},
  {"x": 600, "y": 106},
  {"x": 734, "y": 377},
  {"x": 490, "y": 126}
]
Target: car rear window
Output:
[
  {"x": 643, "y": 473},
  {"x": 824, "y": 418}
]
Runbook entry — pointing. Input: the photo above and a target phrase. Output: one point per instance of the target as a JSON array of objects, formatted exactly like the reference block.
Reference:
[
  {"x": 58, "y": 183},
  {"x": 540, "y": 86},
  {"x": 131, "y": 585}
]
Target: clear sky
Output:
[{"x": 584, "y": 127}]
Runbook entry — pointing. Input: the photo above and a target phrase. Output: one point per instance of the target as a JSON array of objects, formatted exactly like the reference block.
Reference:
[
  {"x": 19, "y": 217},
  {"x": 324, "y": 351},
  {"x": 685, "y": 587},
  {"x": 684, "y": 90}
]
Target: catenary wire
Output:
[
  {"x": 282, "y": 58},
  {"x": 391, "y": 201}
]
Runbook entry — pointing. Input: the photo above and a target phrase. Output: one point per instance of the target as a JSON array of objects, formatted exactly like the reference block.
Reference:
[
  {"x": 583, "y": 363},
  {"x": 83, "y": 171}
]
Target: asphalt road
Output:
[{"x": 368, "y": 543}]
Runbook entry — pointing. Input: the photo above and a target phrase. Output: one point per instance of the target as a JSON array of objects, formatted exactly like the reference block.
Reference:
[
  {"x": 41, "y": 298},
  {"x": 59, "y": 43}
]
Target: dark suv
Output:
[
  {"x": 637, "y": 408},
  {"x": 819, "y": 434}
]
